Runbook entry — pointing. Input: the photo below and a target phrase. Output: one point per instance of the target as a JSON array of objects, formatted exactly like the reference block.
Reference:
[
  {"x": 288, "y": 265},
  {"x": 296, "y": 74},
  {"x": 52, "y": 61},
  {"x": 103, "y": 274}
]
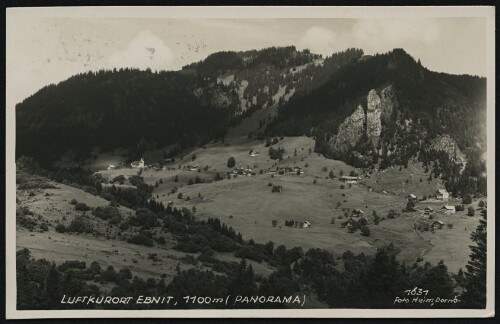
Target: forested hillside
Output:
[
  {"x": 426, "y": 105},
  {"x": 132, "y": 109}
]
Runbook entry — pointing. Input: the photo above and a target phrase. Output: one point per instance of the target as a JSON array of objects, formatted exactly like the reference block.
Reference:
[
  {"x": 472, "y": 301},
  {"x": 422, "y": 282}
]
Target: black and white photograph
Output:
[{"x": 250, "y": 162}]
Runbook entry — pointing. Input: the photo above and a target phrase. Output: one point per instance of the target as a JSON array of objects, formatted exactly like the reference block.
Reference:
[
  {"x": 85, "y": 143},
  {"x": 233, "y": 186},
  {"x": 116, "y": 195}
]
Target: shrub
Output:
[
  {"x": 459, "y": 207},
  {"x": 82, "y": 207},
  {"x": 125, "y": 273},
  {"x": 140, "y": 239},
  {"x": 108, "y": 196},
  {"x": 74, "y": 201},
  {"x": 106, "y": 213},
  {"x": 392, "y": 214},
  {"x": 188, "y": 247},
  {"x": 60, "y": 228},
  {"x": 71, "y": 264},
  {"x": 124, "y": 226},
  {"x": 79, "y": 225},
  {"x": 145, "y": 218},
  {"x": 120, "y": 179},
  {"x": 231, "y": 162},
  {"x": 113, "y": 203},
  {"x": 471, "y": 211},
  {"x": 450, "y": 226},
  {"x": 44, "y": 227}
]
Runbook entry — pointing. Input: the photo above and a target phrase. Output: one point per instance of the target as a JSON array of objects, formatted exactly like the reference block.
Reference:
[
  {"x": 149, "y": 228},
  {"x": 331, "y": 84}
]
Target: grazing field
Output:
[
  {"x": 248, "y": 205},
  {"x": 105, "y": 244}
]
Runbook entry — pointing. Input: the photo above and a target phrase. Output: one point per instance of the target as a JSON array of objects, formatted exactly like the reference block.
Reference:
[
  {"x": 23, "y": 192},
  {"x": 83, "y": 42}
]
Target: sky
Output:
[{"x": 49, "y": 49}]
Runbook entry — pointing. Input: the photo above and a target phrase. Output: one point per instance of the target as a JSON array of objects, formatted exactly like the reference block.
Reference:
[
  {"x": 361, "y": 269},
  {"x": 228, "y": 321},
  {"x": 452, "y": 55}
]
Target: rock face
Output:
[
  {"x": 350, "y": 131},
  {"x": 373, "y": 122},
  {"x": 388, "y": 103},
  {"x": 379, "y": 108},
  {"x": 444, "y": 143}
]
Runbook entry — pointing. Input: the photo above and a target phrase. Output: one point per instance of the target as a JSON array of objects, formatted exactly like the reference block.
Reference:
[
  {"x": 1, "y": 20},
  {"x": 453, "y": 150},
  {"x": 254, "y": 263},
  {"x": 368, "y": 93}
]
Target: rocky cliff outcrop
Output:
[
  {"x": 350, "y": 131},
  {"x": 373, "y": 122},
  {"x": 444, "y": 143},
  {"x": 379, "y": 108},
  {"x": 388, "y": 103}
]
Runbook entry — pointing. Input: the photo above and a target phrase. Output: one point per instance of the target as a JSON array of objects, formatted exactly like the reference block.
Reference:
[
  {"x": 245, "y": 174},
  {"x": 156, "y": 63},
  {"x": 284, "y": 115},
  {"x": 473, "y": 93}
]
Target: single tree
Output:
[
  {"x": 231, "y": 162},
  {"x": 474, "y": 294}
]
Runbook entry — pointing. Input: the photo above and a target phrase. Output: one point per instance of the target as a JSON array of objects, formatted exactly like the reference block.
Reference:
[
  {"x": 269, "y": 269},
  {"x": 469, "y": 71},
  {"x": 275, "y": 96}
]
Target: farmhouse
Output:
[
  {"x": 297, "y": 170},
  {"x": 254, "y": 153},
  {"x": 357, "y": 212},
  {"x": 438, "y": 224},
  {"x": 448, "y": 209},
  {"x": 349, "y": 179},
  {"x": 306, "y": 224},
  {"x": 412, "y": 197},
  {"x": 442, "y": 194},
  {"x": 428, "y": 210},
  {"x": 111, "y": 167},
  {"x": 138, "y": 164}
]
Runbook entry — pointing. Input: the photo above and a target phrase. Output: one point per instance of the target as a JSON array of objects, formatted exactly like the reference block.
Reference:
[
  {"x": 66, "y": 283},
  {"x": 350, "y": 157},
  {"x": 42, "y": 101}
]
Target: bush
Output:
[
  {"x": 145, "y": 218},
  {"x": 44, "y": 227},
  {"x": 231, "y": 162},
  {"x": 125, "y": 273},
  {"x": 82, "y": 207},
  {"x": 71, "y": 264},
  {"x": 106, "y": 213},
  {"x": 467, "y": 199},
  {"x": 392, "y": 214},
  {"x": 188, "y": 247},
  {"x": 365, "y": 230},
  {"x": 459, "y": 207},
  {"x": 74, "y": 201},
  {"x": 60, "y": 228},
  {"x": 471, "y": 211},
  {"x": 79, "y": 225},
  {"x": 140, "y": 239}
]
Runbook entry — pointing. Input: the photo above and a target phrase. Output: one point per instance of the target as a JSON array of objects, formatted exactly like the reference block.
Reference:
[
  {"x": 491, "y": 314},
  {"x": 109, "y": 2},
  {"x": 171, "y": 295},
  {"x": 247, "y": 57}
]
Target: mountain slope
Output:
[
  {"x": 127, "y": 108},
  {"x": 439, "y": 102}
]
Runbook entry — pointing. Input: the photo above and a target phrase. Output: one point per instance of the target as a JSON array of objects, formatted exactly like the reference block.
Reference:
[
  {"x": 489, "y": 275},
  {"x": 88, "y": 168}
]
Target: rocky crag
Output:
[{"x": 379, "y": 111}]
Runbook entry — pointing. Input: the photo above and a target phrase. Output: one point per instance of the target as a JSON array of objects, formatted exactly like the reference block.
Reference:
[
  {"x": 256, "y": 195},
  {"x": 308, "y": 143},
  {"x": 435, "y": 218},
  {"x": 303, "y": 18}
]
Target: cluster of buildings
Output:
[
  {"x": 242, "y": 171},
  {"x": 349, "y": 179},
  {"x": 287, "y": 170}
]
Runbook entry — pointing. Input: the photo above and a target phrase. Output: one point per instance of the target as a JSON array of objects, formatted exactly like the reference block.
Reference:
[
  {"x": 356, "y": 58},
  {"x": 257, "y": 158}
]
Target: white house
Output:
[
  {"x": 138, "y": 164},
  {"x": 448, "y": 209},
  {"x": 306, "y": 224},
  {"x": 111, "y": 167},
  {"x": 348, "y": 179},
  {"x": 442, "y": 194},
  {"x": 412, "y": 197}
]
